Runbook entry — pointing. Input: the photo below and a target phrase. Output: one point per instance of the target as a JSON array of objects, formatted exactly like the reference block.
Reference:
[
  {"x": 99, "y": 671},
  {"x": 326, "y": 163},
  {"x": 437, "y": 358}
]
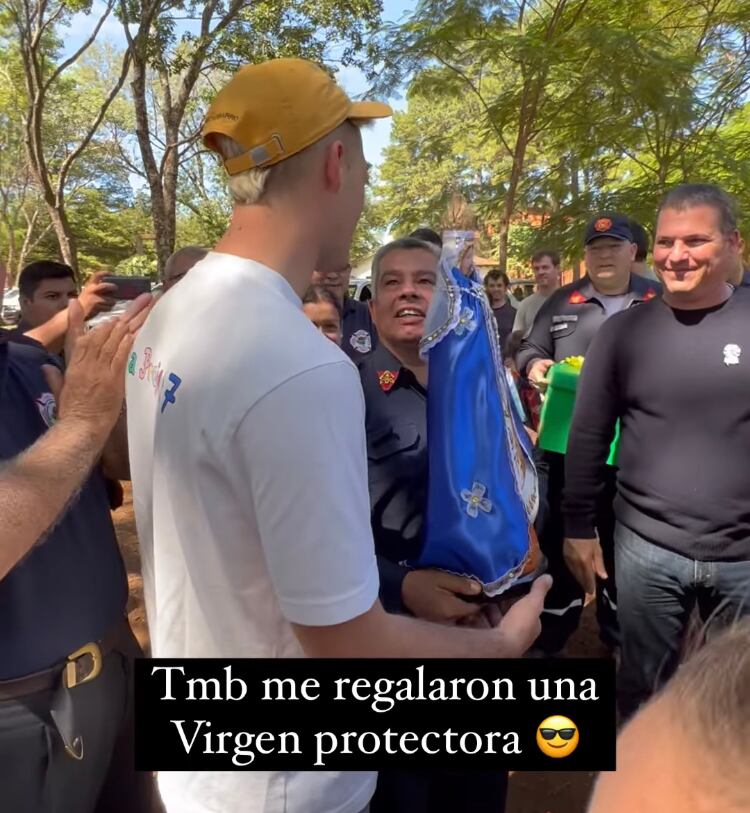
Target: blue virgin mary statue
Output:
[{"x": 482, "y": 489}]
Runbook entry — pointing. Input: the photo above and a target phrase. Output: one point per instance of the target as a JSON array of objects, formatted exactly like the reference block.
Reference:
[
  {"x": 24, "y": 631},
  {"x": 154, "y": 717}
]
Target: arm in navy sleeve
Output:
[
  {"x": 391, "y": 579},
  {"x": 595, "y": 417},
  {"x": 538, "y": 343}
]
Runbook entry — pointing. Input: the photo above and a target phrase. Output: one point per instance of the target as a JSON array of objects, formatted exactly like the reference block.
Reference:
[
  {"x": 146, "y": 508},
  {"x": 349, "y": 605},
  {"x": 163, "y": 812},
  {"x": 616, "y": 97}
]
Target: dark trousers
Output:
[
  {"x": 564, "y": 603},
  {"x": 440, "y": 792},
  {"x": 38, "y": 776},
  {"x": 658, "y": 592}
]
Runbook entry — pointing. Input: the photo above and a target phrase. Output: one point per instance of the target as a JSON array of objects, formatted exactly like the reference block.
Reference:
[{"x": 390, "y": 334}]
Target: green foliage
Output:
[
  {"x": 579, "y": 105},
  {"x": 436, "y": 153},
  {"x": 141, "y": 265},
  {"x": 369, "y": 234},
  {"x": 555, "y": 108}
]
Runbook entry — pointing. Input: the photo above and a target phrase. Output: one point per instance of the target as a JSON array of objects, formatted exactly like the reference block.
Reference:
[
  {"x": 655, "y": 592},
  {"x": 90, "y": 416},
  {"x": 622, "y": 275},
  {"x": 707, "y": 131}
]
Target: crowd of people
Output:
[{"x": 279, "y": 484}]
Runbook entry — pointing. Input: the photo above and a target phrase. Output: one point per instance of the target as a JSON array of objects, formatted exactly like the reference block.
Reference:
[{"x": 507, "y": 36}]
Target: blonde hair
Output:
[{"x": 253, "y": 185}]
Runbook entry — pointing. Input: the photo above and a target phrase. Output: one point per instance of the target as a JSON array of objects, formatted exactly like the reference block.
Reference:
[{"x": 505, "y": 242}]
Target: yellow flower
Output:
[{"x": 574, "y": 361}]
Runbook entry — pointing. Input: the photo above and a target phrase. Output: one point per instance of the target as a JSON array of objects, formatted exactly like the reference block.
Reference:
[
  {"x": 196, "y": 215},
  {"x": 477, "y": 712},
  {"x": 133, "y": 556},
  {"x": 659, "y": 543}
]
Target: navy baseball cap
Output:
[{"x": 608, "y": 225}]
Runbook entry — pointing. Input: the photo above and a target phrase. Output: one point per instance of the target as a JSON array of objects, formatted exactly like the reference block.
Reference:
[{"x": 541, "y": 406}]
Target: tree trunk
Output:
[
  {"x": 575, "y": 191},
  {"x": 170, "y": 174},
  {"x": 3, "y": 277},
  {"x": 509, "y": 202},
  {"x": 65, "y": 239},
  {"x": 159, "y": 214},
  {"x": 10, "y": 261}
]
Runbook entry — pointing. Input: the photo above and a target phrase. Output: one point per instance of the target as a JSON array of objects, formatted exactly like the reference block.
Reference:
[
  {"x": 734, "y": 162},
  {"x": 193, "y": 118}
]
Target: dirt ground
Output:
[{"x": 536, "y": 792}]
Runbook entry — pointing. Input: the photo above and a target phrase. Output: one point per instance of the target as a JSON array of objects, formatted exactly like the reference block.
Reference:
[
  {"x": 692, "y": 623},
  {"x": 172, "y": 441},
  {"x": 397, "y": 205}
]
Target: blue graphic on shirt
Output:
[{"x": 169, "y": 395}]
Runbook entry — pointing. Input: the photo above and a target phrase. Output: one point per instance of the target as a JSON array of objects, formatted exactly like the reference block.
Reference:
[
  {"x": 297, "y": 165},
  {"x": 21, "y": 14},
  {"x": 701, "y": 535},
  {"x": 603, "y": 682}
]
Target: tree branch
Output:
[
  {"x": 93, "y": 127},
  {"x": 82, "y": 49}
]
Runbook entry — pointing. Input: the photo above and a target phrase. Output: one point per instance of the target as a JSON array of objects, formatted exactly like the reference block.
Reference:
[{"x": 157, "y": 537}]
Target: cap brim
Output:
[
  {"x": 370, "y": 110},
  {"x": 606, "y": 234}
]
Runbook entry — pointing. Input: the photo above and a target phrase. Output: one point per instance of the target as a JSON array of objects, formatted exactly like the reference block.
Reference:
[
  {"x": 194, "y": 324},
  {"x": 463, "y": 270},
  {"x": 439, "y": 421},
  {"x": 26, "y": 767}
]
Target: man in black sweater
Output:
[{"x": 676, "y": 372}]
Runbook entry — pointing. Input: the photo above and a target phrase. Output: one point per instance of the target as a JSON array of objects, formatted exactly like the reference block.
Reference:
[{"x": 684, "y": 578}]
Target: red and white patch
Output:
[{"x": 386, "y": 379}]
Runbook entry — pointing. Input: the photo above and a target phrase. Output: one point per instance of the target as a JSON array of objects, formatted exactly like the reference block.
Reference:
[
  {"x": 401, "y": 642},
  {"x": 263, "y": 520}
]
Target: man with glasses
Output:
[
  {"x": 358, "y": 335},
  {"x": 565, "y": 326}
]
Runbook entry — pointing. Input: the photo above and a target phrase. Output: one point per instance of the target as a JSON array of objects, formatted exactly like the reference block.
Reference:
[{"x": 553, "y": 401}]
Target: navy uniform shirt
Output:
[
  {"x": 396, "y": 429},
  {"x": 71, "y": 588},
  {"x": 504, "y": 317},
  {"x": 570, "y": 318},
  {"x": 358, "y": 335},
  {"x": 17, "y": 334}
]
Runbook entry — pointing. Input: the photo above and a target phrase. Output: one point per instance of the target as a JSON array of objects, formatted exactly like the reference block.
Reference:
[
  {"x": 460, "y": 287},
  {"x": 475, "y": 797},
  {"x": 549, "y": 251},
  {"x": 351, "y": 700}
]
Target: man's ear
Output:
[{"x": 334, "y": 166}]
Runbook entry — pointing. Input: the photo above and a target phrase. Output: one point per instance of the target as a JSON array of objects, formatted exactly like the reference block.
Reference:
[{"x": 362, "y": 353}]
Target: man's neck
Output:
[
  {"x": 408, "y": 355},
  {"x": 546, "y": 290},
  {"x": 613, "y": 289},
  {"x": 275, "y": 238},
  {"x": 699, "y": 300},
  {"x": 499, "y": 302}
]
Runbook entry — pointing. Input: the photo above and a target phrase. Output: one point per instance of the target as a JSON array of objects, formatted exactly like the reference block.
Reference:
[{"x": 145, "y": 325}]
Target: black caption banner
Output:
[{"x": 259, "y": 714}]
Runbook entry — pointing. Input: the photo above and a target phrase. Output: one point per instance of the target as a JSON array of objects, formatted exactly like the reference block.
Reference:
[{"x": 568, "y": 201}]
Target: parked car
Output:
[
  {"x": 521, "y": 288},
  {"x": 361, "y": 289},
  {"x": 11, "y": 312}
]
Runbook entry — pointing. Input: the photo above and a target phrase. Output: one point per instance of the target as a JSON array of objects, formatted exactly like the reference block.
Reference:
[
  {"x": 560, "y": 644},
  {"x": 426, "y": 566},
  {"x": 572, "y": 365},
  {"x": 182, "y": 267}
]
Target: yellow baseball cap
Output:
[{"x": 277, "y": 108}]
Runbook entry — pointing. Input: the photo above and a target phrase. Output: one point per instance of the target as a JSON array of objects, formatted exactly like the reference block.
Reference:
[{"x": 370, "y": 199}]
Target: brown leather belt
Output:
[{"x": 81, "y": 666}]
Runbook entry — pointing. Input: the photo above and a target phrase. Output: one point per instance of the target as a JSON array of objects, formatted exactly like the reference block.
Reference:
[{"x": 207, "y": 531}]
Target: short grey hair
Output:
[
  {"x": 189, "y": 255},
  {"x": 403, "y": 244},
  {"x": 689, "y": 195}
]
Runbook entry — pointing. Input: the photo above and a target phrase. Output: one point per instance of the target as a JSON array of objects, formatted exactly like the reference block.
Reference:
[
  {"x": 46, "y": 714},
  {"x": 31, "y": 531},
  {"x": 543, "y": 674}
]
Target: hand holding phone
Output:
[{"x": 127, "y": 287}]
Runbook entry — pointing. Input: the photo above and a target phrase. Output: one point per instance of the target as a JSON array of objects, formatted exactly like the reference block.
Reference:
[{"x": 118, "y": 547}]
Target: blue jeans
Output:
[{"x": 658, "y": 590}]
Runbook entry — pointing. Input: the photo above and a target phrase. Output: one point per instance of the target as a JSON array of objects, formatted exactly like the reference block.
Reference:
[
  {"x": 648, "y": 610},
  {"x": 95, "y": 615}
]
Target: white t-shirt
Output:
[
  {"x": 249, "y": 467},
  {"x": 526, "y": 312}
]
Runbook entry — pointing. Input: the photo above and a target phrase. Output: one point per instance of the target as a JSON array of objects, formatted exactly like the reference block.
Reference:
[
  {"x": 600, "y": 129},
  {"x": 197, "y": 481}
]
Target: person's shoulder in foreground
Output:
[
  {"x": 686, "y": 750},
  {"x": 17, "y": 336},
  {"x": 253, "y": 334}
]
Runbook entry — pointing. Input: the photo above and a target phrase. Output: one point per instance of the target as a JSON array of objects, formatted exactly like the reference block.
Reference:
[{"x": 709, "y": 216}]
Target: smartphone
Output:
[{"x": 128, "y": 287}]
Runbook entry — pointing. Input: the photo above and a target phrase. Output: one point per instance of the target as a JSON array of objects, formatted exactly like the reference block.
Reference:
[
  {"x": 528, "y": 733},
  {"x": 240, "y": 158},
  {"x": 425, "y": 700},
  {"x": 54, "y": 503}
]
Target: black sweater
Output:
[{"x": 680, "y": 383}]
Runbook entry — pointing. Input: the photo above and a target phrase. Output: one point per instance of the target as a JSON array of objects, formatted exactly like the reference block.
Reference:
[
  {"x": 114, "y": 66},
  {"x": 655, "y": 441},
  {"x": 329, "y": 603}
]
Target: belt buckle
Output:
[{"x": 70, "y": 675}]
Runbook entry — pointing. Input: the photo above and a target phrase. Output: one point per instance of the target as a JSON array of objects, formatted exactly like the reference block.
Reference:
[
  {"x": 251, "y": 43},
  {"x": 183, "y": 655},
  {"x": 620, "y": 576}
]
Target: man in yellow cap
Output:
[{"x": 248, "y": 456}]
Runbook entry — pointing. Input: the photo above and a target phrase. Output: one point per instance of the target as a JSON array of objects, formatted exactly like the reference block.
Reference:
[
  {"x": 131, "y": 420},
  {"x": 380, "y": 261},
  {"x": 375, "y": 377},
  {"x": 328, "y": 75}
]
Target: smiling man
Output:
[
  {"x": 565, "y": 326},
  {"x": 546, "y": 267},
  {"x": 676, "y": 373},
  {"x": 394, "y": 381}
]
